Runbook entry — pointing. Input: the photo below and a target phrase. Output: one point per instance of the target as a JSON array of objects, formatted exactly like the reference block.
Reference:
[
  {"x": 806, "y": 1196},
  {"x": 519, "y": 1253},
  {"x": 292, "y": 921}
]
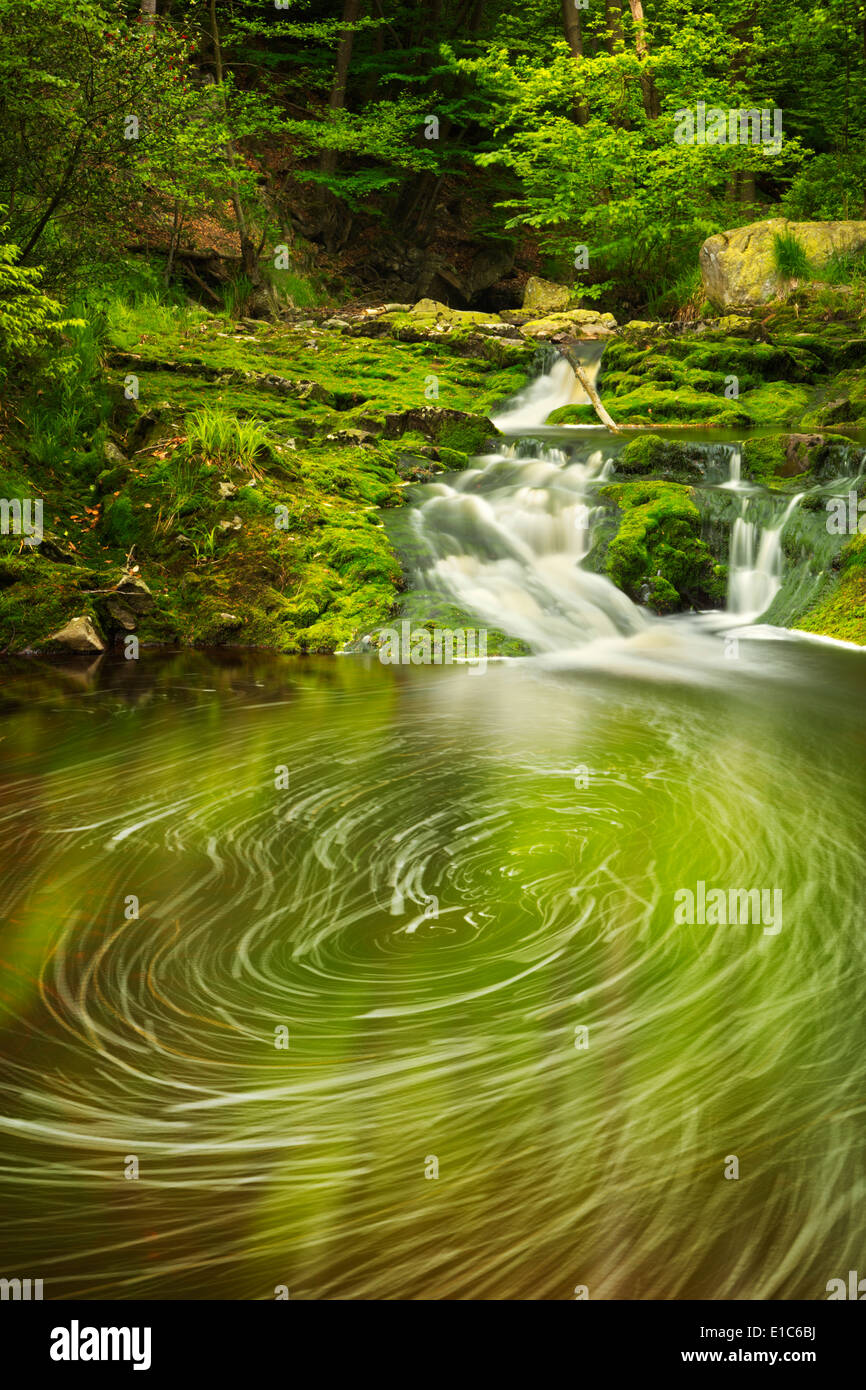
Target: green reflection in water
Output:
[{"x": 460, "y": 873}]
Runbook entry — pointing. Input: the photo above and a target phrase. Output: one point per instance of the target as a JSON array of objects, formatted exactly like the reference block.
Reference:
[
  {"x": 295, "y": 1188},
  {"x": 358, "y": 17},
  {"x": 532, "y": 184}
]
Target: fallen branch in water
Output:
[{"x": 571, "y": 357}]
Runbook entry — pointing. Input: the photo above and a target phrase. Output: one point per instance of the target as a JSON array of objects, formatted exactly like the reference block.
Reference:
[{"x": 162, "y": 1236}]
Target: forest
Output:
[{"x": 272, "y": 199}]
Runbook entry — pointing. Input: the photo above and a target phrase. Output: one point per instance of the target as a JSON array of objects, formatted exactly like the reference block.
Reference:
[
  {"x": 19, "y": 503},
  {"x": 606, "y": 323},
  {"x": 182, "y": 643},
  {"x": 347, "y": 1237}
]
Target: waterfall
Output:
[
  {"x": 755, "y": 562},
  {"x": 507, "y": 543},
  {"x": 513, "y": 553},
  {"x": 735, "y": 468},
  {"x": 755, "y": 565},
  {"x": 556, "y": 387}
]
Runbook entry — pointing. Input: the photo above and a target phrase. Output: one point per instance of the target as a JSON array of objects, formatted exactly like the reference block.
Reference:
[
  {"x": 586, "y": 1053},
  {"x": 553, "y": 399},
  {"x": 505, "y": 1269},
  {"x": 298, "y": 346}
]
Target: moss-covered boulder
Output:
[
  {"x": 774, "y": 458},
  {"x": 546, "y": 296},
  {"x": 430, "y": 321},
  {"x": 452, "y": 429},
  {"x": 843, "y": 402},
  {"x": 651, "y": 456},
  {"x": 578, "y": 323},
  {"x": 841, "y": 611},
  {"x": 658, "y": 555},
  {"x": 738, "y": 267}
]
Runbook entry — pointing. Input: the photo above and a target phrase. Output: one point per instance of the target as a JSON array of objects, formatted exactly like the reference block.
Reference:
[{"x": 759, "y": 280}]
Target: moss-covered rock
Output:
[
  {"x": 738, "y": 267},
  {"x": 775, "y": 458},
  {"x": 841, "y": 610},
  {"x": 650, "y": 455},
  {"x": 658, "y": 555},
  {"x": 542, "y": 297},
  {"x": 578, "y": 323}
]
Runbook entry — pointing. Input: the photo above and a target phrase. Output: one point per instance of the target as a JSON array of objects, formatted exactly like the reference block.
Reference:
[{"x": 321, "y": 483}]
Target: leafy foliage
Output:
[{"x": 30, "y": 320}]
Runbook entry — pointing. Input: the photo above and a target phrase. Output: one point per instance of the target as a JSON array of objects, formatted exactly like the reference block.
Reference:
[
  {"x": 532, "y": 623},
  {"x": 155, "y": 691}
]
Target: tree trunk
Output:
[
  {"x": 177, "y": 224},
  {"x": 249, "y": 255},
  {"x": 337, "y": 99},
  {"x": 571, "y": 21},
  {"x": 372, "y": 85},
  {"x": 570, "y": 356},
  {"x": 613, "y": 25},
  {"x": 420, "y": 197},
  {"x": 148, "y": 11},
  {"x": 56, "y": 200},
  {"x": 647, "y": 85},
  {"x": 639, "y": 28}
]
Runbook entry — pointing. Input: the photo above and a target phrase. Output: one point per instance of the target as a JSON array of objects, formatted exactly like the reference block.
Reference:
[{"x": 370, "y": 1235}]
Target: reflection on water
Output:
[{"x": 431, "y": 882}]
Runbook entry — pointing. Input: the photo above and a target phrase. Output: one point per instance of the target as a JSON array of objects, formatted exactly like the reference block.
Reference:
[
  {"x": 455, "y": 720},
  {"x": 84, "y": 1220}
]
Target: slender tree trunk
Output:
[
  {"x": 570, "y": 354},
  {"x": 421, "y": 196},
  {"x": 372, "y": 85},
  {"x": 148, "y": 11},
  {"x": 175, "y": 241},
  {"x": 337, "y": 99},
  {"x": 571, "y": 22},
  {"x": 249, "y": 256},
  {"x": 613, "y": 25},
  {"x": 647, "y": 85},
  {"x": 56, "y": 200}
]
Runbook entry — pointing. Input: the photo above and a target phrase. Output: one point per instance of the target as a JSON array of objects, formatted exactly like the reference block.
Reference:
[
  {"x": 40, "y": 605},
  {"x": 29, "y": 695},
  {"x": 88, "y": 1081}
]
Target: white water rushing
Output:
[
  {"x": 554, "y": 389},
  {"x": 513, "y": 555},
  {"x": 756, "y": 564},
  {"x": 507, "y": 542}
]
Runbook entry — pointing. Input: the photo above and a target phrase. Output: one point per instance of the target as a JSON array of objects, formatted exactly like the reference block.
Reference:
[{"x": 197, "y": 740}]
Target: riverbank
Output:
[{"x": 240, "y": 479}]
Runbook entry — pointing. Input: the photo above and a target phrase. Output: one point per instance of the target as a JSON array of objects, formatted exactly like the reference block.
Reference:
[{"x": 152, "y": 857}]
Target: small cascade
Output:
[
  {"x": 510, "y": 541},
  {"x": 735, "y": 466},
  {"x": 755, "y": 565},
  {"x": 557, "y": 386},
  {"x": 507, "y": 545}
]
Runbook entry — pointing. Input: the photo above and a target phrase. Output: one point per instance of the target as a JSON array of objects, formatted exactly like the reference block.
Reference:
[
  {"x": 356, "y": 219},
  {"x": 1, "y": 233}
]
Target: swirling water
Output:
[{"x": 453, "y": 895}]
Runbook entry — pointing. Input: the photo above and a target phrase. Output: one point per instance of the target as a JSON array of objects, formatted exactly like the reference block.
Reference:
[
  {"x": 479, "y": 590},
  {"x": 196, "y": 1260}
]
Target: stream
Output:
[{"x": 375, "y": 970}]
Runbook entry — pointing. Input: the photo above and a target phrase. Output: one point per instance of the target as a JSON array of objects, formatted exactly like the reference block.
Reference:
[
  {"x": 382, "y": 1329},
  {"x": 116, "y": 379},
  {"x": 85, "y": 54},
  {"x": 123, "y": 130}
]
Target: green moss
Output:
[
  {"x": 775, "y": 459},
  {"x": 38, "y": 597},
  {"x": 775, "y": 403},
  {"x": 841, "y": 610},
  {"x": 428, "y": 609},
  {"x": 763, "y": 457},
  {"x": 658, "y": 405},
  {"x": 662, "y": 595},
  {"x": 330, "y": 573},
  {"x": 659, "y": 539},
  {"x": 650, "y": 454},
  {"x": 120, "y": 524}
]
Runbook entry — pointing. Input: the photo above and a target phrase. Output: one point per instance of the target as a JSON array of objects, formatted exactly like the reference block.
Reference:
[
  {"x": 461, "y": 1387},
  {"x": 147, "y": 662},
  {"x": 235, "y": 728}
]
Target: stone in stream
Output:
[
  {"x": 79, "y": 635},
  {"x": 579, "y": 323},
  {"x": 650, "y": 455}
]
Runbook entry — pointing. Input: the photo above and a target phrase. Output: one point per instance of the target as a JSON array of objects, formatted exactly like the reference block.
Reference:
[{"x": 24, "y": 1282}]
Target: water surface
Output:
[{"x": 461, "y": 872}]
